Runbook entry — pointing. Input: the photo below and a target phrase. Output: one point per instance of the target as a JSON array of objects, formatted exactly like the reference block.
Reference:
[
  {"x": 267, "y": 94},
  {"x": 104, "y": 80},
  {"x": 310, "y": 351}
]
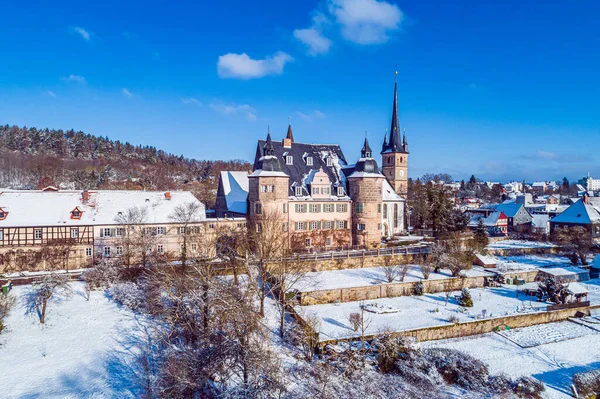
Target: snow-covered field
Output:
[
  {"x": 518, "y": 244},
  {"x": 553, "y": 363},
  {"x": 418, "y": 311},
  {"x": 530, "y": 262},
  {"x": 546, "y": 333},
  {"x": 82, "y": 351},
  {"x": 336, "y": 279}
]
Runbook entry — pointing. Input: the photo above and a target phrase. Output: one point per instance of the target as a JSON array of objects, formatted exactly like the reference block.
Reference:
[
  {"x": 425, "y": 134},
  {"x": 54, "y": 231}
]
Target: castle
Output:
[{"x": 322, "y": 201}]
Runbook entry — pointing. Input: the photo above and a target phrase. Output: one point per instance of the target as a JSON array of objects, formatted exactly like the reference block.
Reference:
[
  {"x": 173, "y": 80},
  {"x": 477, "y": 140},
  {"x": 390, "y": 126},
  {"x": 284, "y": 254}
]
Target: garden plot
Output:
[
  {"x": 554, "y": 364},
  {"x": 415, "y": 312},
  {"x": 530, "y": 262},
  {"x": 364, "y": 277},
  {"x": 519, "y": 244},
  {"x": 542, "y": 334}
]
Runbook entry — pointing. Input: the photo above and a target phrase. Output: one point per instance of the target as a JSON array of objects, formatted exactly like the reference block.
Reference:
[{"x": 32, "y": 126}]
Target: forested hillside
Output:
[{"x": 35, "y": 158}]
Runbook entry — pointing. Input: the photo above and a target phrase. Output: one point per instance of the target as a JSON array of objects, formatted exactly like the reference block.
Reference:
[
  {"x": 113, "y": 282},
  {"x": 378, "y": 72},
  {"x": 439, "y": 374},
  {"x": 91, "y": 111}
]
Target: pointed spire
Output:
[
  {"x": 394, "y": 144},
  {"x": 404, "y": 139},
  {"x": 385, "y": 142},
  {"x": 268, "y": 148},
  {"x": 289, "y": 131},
  {"x": 366, "y": 150}
]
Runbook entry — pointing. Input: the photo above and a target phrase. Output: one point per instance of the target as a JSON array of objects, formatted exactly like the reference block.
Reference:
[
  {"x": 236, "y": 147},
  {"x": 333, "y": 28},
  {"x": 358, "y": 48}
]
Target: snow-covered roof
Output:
[
  {"x": 235, "y": 190},
  {"x": 540, "y": 220},
  {"x": 53, "y": 208},
  {"x": 578, "y": 213},
  {"x": 510, "y": 210},
  {"x": 389, "y": 194},
  {"x": 487, "y": 259}
]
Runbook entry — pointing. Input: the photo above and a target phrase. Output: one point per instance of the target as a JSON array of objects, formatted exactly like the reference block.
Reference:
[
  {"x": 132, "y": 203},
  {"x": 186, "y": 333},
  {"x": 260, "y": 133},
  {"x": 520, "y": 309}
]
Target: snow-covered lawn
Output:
[
  {"x": 545, "y": 333},
  {"x": 348, "y": 278},
  {"x": 517, "y": 244},
  {"x": 418, "y": 311},
  {"x": 81, "y": 350},
  {"x": 553, "y": 363},
  {"x": 530, "y": 262}
]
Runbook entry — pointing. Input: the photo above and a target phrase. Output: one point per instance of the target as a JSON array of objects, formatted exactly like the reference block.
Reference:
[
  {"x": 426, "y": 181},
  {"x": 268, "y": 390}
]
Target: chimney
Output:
[
  {"x": 85, "y": 196},
  {"x": 586, "y": 199},
  {"x": 168, "y": 195}
]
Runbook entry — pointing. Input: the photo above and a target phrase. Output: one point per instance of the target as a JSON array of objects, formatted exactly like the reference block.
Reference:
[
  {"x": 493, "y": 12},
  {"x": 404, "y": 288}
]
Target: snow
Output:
[
  {"x": 419, "y": 311},
  {"x": 348, "y": 278},
  {"x": 235, "y": 188},
  {"x": 552, "y": 363},
  {"x": 81, "y": 350},
  {"x": 578, "y": 213},
  {"x": 541, "y": 334},
  {"x": 389, "y": 194},
  {"x": 365, "y": 174},
  {"x": 53, "y": 208},
  {"x": 264, "y": 173},
  {"x": 564, "y": 271},
  {"x": 519, "y": 244},
  {"x": 530, "y": 262}
]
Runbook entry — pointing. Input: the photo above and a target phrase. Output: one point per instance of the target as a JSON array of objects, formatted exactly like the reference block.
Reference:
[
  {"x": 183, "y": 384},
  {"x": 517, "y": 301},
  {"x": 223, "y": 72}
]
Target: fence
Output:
[{"x": 413, "y": 249}]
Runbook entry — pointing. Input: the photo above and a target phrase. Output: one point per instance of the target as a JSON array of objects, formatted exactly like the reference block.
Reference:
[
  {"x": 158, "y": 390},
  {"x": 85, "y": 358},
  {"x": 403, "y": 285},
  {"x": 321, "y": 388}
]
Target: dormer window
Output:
[
  {"x": 340, "y": 191},
  {"x": 3, "y": 214},
  {"x": 368, "y": 154},
  {"x": 289, "y": 160},
  {"x": 329, "y": 161},
  {"x": 76, "y": 213},
  {"x": 309, "y": 161},
  {"x": 298, "y": 191}
]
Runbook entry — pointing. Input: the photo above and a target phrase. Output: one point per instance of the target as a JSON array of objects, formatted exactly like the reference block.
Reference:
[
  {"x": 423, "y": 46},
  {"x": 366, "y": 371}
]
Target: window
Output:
[
  {"x": 395, "y": 215},
  {"x": 367, "y": 154},
  {"x": 76, "y": 215},
  {"x": 284, "y": 227},
  {"x": 301, "y": 208},
  {"x": 194, "y": 247},
  {"x": 211, "y": 226},
  {"x": 1, "y": 234},
  {"x": 325, "y": 190},
  {"x": 257, "y": 208},
  {"x": 315, "y": 208},
  {"x": 37, "y": 234},
  {"x": 105, "y": 233},
  {"x": 120, "y": 231},
  {"x": 299, "y": 226},
  {"x": 342, "y": 224},
  {"x": 119, "y": 251},
  {"x": 289, "y": 160},
  {"x": 285, "y": 208},
  {"x": 309, "y": 161},
  {"x": 88, "y": 251},
  {"x": 298, "y": 191},
  {"x": 160, "y": 249},
  {"x": 263, "y": 189},
  {"x": 75, "y": 233},
  {"x": 151, "y": 231},
  {"x": 3, "y": 214},
  {"x": 340, "y": 191},
  {"x": 314, "y": 226},
  {"x": 270, "y": 188},
  {"x": 327, "y": 225},
  {"x": 378, "y": 208},
  {"x": 106, "y": 251},
  {"x": 359, "y": 207},
  {"x": 327, "y": 207},
  {"x": 315, "y": 190},
  {"x": 328, "y": 241},
  {"x": 360, "y": 226},
  {"x": 379, "y": 226},
  {"x": 385, "y": 211},
  {"x": 161, "y": 230},
  {"x": 307, "y": 242},
  {"x": 342, "y": 207},
  {"x": 182, "y": 230},
  {"x": 329, "y": 161}
]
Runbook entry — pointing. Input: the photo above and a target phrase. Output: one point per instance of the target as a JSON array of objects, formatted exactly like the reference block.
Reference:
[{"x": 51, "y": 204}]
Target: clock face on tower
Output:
[{"x": 401, "y": 173}]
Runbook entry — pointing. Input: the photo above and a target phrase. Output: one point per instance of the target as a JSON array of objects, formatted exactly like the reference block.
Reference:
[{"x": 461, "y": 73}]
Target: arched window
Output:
[
  {"x": 385, "y": 211},
  {"x": 395, "y": 216}
]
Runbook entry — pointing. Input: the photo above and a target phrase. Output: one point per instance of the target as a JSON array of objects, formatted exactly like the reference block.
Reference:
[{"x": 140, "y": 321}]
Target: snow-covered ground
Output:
[
  {"x": 552, "y": 363},
  {"x": 530, "y": 262},
  {"x": 517, "y": 244},
  {"x": 82, "y": 351},
  {"x": 419, "y": 311},
  {"x": 336, "y": 279}
]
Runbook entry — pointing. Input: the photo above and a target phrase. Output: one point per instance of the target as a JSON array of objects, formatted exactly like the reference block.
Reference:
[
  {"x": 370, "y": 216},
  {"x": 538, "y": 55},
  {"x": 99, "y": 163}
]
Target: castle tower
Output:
[
  {"x": 365, "y": 186},
  {"x": 394, "y": 152},
  {"x": 268, "y": 185}
]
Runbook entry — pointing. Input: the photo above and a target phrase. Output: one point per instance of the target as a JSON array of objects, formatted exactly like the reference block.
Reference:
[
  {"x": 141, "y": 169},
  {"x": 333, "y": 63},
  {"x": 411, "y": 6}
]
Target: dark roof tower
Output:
[
  {"x": 395, "y": 143},
  {"x": 366, "y": 150},
  {"x": 366, "y": 163},
  {"x": 289, "y": 133},
  {"x": 385, "y": 142},
  {"x": 269, "y": 162}
]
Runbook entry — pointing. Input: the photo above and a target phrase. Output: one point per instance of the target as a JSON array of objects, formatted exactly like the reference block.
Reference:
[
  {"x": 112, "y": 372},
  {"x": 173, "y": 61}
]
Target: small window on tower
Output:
[
  {"x": 329, "y": 161},
  {"x": 289, "y": 160},
  {"x": 309, "y": 161},
  {"x": 298, "y": 191}
]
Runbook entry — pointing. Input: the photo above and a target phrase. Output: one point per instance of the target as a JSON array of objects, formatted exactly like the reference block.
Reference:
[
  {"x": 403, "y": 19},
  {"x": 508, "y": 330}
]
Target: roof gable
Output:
[{"x": 578, "y": 213}]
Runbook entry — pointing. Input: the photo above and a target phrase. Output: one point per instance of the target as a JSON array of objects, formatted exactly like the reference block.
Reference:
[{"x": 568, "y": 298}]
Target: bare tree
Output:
[
  {"x": 45, "y": 289},
  {"x": 7, "y": 301},
  {"x": 186, "y": 215},
  {"x": 137, "y": 238},
  {"x": 577, "y": 241}
]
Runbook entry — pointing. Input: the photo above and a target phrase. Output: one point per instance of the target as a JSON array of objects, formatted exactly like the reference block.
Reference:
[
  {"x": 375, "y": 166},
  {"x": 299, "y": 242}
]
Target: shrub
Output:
[
  {"x": 418, "y": 288},
  {"x": 453, "y": 319},
  {"x": 128, "y": 294},
  {"x": 465, "y": 298},
  {"x": 587, "y": 383},
  {"x": 391, "y": 273},
  {"x": 102, "y": 276},
  {"x": 355, "y": 320},
  {"x": 529, "y": 388},
  {"x": 6, "y": 303},
  {"x": 458, "y": 368}
]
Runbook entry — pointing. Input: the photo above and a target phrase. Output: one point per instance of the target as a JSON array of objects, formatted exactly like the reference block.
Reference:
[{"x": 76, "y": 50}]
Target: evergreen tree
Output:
[{"x": 480, "y": 236}]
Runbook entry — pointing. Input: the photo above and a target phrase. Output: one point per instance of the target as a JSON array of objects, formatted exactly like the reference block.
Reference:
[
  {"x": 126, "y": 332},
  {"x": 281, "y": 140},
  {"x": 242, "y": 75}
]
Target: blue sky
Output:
[{"x": 501, "y": 89}]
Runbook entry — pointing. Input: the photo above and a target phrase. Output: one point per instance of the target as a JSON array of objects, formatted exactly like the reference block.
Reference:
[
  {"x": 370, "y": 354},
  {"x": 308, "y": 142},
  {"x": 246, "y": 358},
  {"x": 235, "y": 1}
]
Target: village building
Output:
[
  {"x": 495, "y": 222},
  {"x": 582, "y": 213},
  {"x": 518, "y": 217}
]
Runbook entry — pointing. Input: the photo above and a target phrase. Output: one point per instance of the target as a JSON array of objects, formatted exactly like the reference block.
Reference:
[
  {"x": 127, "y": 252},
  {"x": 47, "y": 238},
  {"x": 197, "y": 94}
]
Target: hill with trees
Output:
[{"x": 33, "y": 158}]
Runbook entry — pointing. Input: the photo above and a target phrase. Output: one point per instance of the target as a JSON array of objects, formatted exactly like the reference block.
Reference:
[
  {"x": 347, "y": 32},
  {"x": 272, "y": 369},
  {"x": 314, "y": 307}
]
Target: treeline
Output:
[{"x": 34, "y": 158}]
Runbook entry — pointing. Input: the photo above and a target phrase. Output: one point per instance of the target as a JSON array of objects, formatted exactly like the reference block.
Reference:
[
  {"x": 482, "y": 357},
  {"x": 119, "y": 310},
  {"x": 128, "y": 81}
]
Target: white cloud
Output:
[
  {"x": 50, "y": 93},
  {"x": 191, "y": 100},
  {"x": 126, "y": 93},
  {"x": 366, "y": 21},
  {"x": 74, "y": 78},
  {"x": 313, "y": 39},
  {"x": 232, "y": 109},
  {"x": 316, "y": 114},
  {"x": 85, "y": 35},
  {"x": 241, "y": 66}
]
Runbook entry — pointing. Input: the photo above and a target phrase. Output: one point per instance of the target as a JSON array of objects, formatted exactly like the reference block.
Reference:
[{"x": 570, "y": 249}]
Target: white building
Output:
[{"x": 590, "y": 184}]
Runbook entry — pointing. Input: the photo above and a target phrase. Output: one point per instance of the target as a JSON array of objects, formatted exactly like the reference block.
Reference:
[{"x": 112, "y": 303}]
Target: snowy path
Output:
[{"x": 81, "y": 351}]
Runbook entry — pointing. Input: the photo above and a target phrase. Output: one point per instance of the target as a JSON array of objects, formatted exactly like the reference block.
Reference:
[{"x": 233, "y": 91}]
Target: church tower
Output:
[{"x": 394, "y": 153}]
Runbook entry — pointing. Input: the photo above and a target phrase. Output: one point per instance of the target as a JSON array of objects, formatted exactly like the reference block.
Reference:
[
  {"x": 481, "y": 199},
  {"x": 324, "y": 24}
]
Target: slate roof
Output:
[
  {"x": 578, "y": 213},
  {"x": 510, "y": 210},
  {"x": 299, "y": 171},
  {"x": 490, "y": 221},
  {"x": 233, "y": 186}
]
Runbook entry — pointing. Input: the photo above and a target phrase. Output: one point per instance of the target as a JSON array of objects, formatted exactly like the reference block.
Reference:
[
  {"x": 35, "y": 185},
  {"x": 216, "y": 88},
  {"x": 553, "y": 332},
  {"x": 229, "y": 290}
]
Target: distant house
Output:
[
  {"x": 517, "y": 215},
  {"x": 540, "y": 223},
  {"x": 539, "y": 187},
  {"x": 582, "y": 213},
  {"x": 232, "y": 194},
  {"x": 496, "y": 223}
]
